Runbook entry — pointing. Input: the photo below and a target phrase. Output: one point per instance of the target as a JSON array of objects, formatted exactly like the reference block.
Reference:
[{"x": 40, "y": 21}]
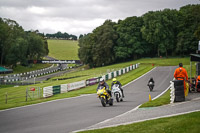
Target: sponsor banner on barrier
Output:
[
  {"x": 92, "y": 81},
  {"x": 76, "y": 85},
  {"x": 55, "y": 61}
]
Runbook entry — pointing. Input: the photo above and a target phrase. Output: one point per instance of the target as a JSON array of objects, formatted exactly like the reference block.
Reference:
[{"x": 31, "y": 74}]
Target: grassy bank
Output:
[
  {"x": 188, "y": 123},
  {"x": 63, "y": 49}
]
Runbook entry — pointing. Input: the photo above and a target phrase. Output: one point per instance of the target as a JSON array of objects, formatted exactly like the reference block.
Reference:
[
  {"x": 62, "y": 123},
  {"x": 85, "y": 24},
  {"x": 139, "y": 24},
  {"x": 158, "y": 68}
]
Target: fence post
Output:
[
  {"x": 26, "y": 94},
  {"x": 6, "y": 97}
]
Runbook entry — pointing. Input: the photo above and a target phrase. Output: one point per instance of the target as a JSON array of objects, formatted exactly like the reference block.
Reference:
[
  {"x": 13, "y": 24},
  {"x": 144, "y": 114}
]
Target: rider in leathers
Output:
[
  {"x": 120, "y": 85},
  {"x": 103, "y": 83}
]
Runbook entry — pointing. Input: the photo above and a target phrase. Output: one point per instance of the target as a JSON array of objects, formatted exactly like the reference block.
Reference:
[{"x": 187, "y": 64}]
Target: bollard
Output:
[
  {"x": 149, "y": 97},
  {"x": 6, "y": 97}
]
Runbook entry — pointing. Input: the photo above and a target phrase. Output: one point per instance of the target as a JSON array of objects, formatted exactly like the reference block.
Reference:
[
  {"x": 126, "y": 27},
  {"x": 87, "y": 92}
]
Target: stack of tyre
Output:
[{"x": 179, "y": 91}]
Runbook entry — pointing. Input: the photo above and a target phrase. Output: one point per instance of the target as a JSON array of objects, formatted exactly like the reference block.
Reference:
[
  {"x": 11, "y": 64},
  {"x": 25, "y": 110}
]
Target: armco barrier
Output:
[
  {"x": 91, "y": 81},
  {"x": 76, "y": 85},
  {"x": 63, "y": 88},
  {"x": 48, "y": 91},
  {"x": 56, "y": 89}
]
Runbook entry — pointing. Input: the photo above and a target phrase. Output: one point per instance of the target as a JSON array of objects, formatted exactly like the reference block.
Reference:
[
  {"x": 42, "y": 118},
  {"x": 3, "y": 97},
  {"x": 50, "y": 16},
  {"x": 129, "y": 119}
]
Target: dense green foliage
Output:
[
  {"x": 156, "y": 33},
  {"x": 18, "y": 46},
  {"x": 60, "y": 35}
]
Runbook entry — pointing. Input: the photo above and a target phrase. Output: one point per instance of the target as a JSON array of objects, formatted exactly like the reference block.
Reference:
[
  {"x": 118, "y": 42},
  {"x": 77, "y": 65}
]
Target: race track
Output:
[{"x": 66, "y": 115}]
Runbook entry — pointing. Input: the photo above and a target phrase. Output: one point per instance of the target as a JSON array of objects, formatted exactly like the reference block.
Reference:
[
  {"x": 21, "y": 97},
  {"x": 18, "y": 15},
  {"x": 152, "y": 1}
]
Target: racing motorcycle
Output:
[
  {"x": 104, "y": 97},
  {"x": 117, "y": 93},
  {"x": 151, "y": 85}
]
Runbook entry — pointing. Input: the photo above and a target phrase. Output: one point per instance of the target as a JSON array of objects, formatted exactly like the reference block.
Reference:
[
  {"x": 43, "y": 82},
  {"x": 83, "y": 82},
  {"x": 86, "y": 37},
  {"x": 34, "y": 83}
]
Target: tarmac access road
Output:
[{"x": 70, "y": 114}]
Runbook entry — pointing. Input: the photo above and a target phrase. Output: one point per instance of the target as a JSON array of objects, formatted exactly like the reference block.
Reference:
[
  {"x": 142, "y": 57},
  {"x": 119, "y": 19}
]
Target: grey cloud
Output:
[{"x": 75, "y": 15}]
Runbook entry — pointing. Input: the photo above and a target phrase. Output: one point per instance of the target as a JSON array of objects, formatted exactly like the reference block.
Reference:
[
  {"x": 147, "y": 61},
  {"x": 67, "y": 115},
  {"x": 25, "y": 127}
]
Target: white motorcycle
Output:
[{"x": 117, "y": 93}]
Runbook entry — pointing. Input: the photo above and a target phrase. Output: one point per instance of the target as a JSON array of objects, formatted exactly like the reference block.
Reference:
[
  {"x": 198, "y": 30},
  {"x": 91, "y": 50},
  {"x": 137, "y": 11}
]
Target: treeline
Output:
[
  {"x": 18, "y": 46},
  {"x": 60, "y": 35},
  {"x": 154, "y": 34}
]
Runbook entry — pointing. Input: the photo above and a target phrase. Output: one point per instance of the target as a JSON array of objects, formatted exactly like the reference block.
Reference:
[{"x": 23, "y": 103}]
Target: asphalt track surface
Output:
[{"x": 70, "y": 114}]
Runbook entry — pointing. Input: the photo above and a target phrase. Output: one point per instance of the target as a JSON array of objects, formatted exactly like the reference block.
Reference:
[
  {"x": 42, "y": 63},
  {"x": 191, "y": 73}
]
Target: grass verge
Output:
[
  {"x": 162, "y": 100},
  {"x": 188, "y": 123}
]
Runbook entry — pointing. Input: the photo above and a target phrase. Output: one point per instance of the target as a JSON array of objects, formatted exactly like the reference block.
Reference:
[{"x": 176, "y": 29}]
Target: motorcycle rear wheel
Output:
[{"x": 111, "y": 102}]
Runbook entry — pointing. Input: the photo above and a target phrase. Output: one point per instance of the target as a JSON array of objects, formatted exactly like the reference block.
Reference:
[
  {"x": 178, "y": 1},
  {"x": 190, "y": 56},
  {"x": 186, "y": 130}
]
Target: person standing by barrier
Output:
[
  {"x": 197, "y": 80},
  {"x": 181, "y": 74}
]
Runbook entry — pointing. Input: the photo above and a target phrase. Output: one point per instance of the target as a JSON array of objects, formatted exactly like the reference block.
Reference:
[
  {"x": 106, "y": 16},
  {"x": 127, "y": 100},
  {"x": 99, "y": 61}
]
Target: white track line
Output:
[{"x": 139, "y": 77}]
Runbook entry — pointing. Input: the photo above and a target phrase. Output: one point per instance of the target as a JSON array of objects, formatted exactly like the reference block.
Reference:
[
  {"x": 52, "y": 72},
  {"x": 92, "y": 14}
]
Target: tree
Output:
[
  {"x": 96, "y": 49},
  {"x": 130, "y": 43},
  {"x": 80, "y": 36},
  {"x": 104, "y": 37},
  {"x": 36, "y": 46},
  {"x": 160, "y": 29},
  {"x": 189, "y": 19},
  {"x": 85, "y": 49}
]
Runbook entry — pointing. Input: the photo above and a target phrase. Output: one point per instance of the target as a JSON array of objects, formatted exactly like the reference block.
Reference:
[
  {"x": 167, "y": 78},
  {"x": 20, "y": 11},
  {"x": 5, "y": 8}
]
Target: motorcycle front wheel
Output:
[
  {"x": 103, "y": 102},
  {"x": 117, "y": 98}
]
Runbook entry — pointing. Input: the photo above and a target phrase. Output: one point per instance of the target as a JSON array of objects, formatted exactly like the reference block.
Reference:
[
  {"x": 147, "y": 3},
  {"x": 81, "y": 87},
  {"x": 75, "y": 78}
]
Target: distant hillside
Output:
[{"x": 63, "y": 49}]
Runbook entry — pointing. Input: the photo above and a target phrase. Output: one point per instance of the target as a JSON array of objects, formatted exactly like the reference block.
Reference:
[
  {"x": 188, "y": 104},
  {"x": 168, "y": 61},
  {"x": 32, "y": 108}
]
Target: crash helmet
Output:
[
  {"x": 114, "y": 80},
  {"x": 101, "y": 81}
]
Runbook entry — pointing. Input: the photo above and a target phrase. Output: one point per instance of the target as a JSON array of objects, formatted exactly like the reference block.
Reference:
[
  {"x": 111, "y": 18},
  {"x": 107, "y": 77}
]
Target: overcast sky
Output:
[{"x": 78, "y": 16}]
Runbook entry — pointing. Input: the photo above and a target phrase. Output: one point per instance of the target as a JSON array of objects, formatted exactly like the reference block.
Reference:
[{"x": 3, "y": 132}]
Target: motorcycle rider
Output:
[
  {"x": 151, "y": 80},
  {"x": 103, "y": 83},
  {"x": 120, "y": 85}
]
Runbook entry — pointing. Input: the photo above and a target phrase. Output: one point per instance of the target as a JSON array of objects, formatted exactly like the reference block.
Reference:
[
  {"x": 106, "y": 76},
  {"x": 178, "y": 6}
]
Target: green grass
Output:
[
  {"x": 63, "y": 49},
  {"x": 146, "y": 65},
  {"x": 22, "y": 69},
  {"x": 162, "y": 100},
  {"x": 188, "y": 123},
  {"x": 33, "y": 67}
]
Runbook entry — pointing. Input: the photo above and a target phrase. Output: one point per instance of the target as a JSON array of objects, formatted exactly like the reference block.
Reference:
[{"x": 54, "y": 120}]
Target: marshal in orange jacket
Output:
[
  {"x": 181, "y": 74},
  {"x": 198, "y": 79}
]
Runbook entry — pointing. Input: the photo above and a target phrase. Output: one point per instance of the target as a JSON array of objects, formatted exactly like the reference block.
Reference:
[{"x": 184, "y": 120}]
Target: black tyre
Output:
[
  {"x": 117, "y": 98},
  {"x": 103, "y": 102},
  {"x": 179, "y": 88},
  {"x": 179, "y": 98},
  {"x": 178, "y": 82},
  {"x": 111, "y": 102},
  {"x": 179, "y": 93},
  {"x": 150, "y": 88}
]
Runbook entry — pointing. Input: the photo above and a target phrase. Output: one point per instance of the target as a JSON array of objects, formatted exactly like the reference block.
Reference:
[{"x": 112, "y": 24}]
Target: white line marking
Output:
[{"x": 139, "y": 77}]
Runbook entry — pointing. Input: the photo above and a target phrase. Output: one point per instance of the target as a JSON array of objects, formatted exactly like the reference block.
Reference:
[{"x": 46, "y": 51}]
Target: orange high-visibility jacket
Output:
[
  {"x": 181, "y": 74},
  {"x": 198, "y": 79}
]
